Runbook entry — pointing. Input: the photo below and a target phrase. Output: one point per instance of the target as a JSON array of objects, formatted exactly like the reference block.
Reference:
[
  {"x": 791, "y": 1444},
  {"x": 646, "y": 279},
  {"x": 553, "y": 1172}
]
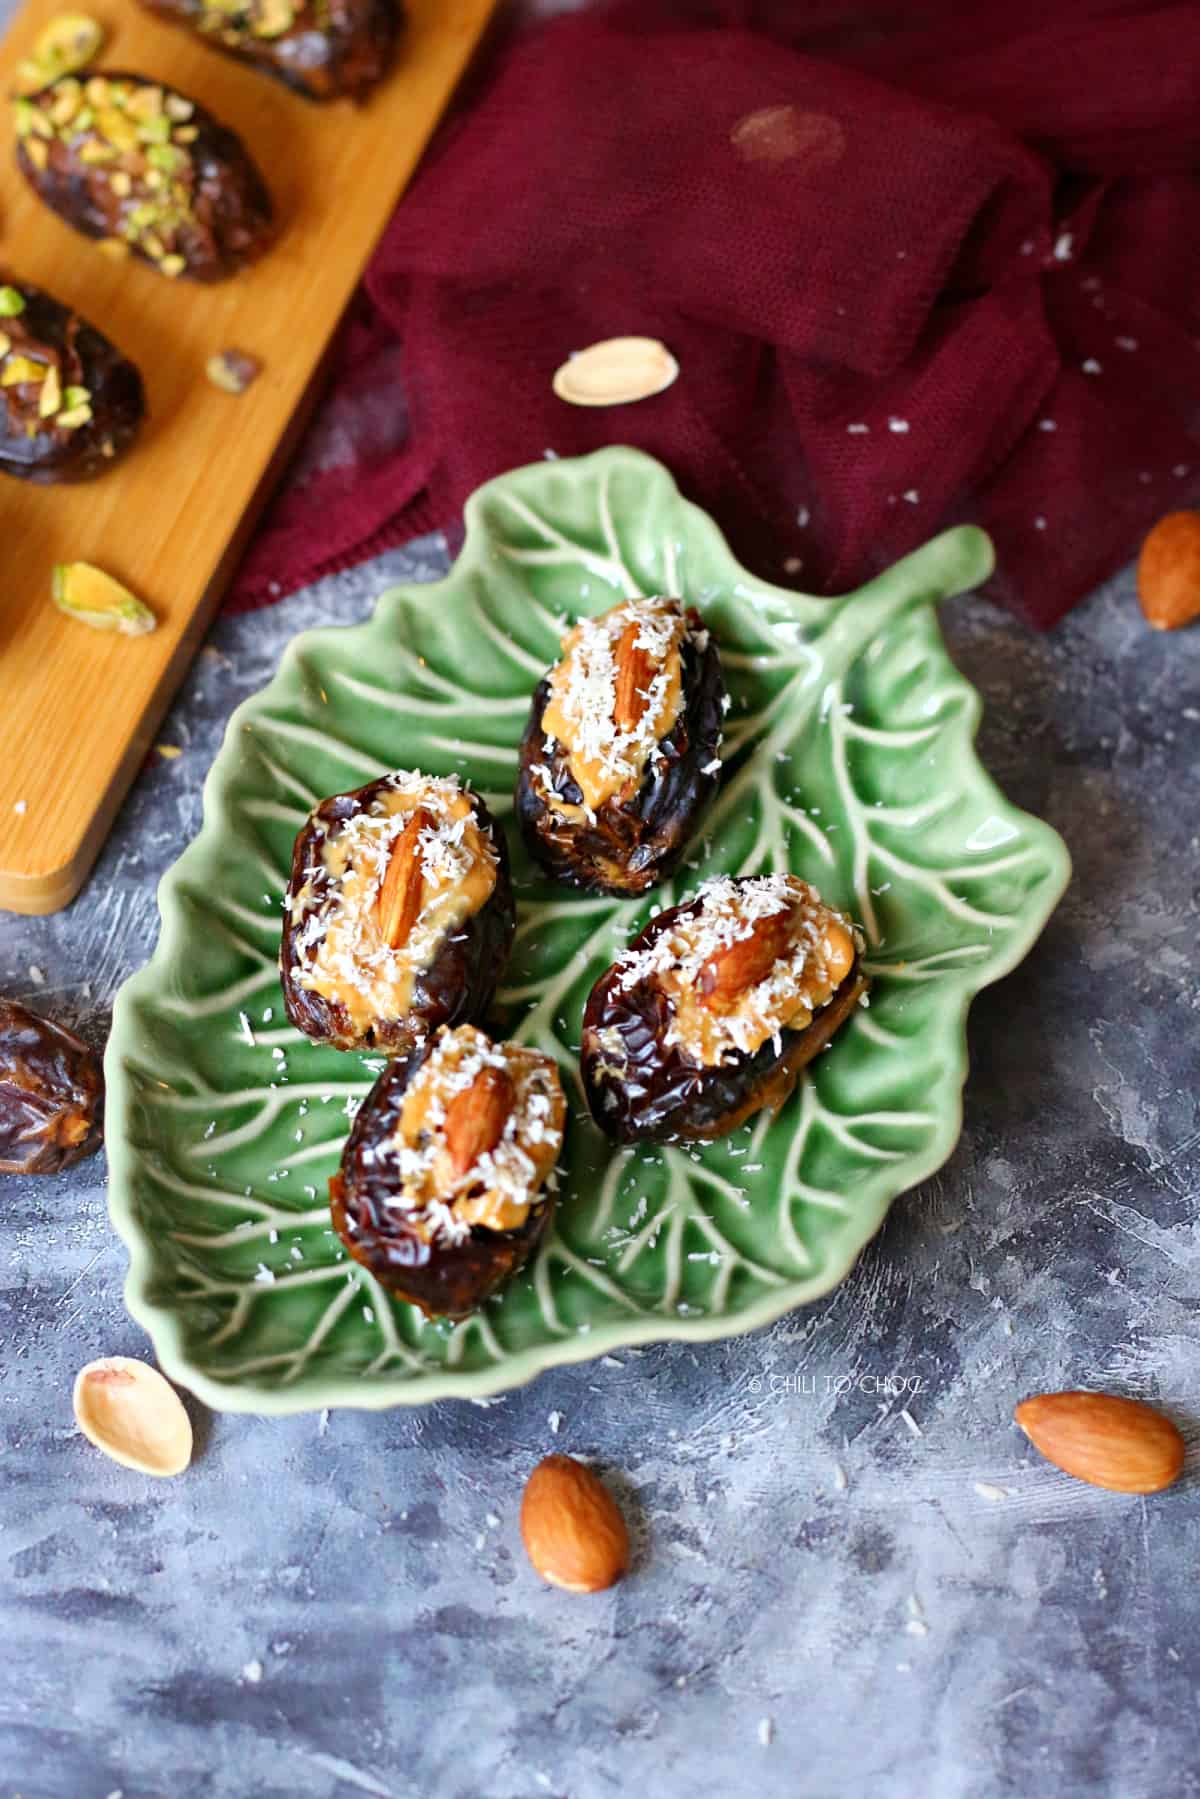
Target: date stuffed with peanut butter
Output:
[
  {"x": 146, "y": 170},
  {"x": 715, "y": 1009},
  {"x": 320, "y": 48},
  {"x": 442, "y": 1190},
  {"x": 51, "y": 1094},
  {"x": 70, "y": 403},
  {"x": 622, "y": 749},
  {"x": 399, "y": 914}
]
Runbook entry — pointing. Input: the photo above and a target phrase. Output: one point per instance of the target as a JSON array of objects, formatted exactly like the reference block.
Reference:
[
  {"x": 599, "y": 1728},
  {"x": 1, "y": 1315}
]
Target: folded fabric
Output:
[{"x": 914, "y": 270}]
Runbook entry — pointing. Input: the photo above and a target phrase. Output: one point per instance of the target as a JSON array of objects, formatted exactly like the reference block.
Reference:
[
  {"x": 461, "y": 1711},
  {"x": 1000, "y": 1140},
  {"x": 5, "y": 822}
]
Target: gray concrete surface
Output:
[{"x": 839, "y": 1589}]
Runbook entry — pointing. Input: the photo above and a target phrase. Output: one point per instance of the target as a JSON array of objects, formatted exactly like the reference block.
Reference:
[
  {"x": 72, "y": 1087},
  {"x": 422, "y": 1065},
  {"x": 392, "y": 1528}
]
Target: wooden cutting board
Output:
[{"x": 78, "y": 708}]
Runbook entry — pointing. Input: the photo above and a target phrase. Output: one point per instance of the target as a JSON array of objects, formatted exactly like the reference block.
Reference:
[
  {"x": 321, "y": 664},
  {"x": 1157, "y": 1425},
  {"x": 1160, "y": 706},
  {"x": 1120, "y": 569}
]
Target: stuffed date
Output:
[
  {"x": 70, "y": 403},
  {"x": 51, "y": 1094},
  {"x": 442, "y": 1191},
  {"x": 146, "y": 170},
  {"x": 714, "y": 1010},
  {"x": 622, "y": 749},
  {"x": 320, "y": 48},
  {"x": 399, "y": 914}
]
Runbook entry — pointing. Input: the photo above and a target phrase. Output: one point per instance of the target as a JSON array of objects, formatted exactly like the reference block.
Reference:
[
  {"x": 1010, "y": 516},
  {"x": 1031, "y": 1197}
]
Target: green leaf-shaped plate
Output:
[{"x": 848, "y": 759}]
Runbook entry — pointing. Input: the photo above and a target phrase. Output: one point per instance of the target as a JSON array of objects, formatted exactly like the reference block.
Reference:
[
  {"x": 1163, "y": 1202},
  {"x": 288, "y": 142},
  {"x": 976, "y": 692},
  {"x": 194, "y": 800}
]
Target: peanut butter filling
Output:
[
  {"x": 519, "y": 1143},
  {"x": 815, "y": 947},
  {"x": 615, "y": 694},
  {"x": 352, "y": 963}
]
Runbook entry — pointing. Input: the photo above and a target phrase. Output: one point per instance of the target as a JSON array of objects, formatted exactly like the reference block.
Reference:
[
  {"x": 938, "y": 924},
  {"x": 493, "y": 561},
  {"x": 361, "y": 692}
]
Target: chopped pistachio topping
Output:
[
  {"x": 68, "y": 103},
  {"x": 86, "y": 593},
  {"x": 21, "y": 368},
  {"x": 232, "y": 370},
  {"x": 271, "y": 18},
  {"x": 137, "y": 134},
  {"x": 146, "y": 103},
  {"x": 50, "y": 398}
]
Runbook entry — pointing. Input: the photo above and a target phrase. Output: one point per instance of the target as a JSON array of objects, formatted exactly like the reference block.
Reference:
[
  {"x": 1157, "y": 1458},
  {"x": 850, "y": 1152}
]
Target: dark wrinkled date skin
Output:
[
  {"x": 664, "y": 1098},
  {"x": 229, "y": 223},
  {"x": 51, "y": 1094},
  {"x": 342, "y": 47},
  {"x": 636, "y": 843},
  {"x": 39, "y": 449},
  {"x": 445, "y": 1280},
  {"x": 458, "y": 985}
]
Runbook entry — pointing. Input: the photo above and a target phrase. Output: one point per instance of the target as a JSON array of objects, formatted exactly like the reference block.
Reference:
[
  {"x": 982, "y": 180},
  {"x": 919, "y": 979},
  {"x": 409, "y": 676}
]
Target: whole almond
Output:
[
  {"x": 399, "y": 903},
  {"x": 572, "y": 1527},
  {"x": 1169, "y": 572},
  {"x": 1110, "y": 1442},
  {"x": 476, "y": 1117},
  {"x": 734, "y": 970},
  {"x": 635, "y": 671}
]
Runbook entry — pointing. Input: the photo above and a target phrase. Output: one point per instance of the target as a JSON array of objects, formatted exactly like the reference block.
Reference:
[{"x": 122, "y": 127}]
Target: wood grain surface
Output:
[{"x": 80, "y": 707}]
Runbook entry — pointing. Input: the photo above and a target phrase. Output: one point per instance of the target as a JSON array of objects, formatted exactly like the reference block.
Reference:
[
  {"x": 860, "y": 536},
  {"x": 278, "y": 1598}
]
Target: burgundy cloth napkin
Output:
[{"x": 918, "y": 263}]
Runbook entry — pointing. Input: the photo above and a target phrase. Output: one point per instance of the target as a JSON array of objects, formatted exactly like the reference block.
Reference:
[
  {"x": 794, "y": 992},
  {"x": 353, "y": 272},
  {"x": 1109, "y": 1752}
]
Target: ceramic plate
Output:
[{"x": 848, "y": 759}]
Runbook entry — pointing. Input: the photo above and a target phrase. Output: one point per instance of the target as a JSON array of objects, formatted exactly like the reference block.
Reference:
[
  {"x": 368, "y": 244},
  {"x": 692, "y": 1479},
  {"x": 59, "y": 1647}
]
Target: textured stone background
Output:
[{"x": 837, "y": 1592}]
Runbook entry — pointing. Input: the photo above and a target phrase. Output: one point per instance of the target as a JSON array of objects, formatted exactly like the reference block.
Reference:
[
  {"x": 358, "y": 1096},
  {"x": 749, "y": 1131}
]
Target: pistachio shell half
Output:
[
  {"x": 68, "y": 43},
  {"x": 128, "y": 1410},
  {"x": 615, "y": 372}
]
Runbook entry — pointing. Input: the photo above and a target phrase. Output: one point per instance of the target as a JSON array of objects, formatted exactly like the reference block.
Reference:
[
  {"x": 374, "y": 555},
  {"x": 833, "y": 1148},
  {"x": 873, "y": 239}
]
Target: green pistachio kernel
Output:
[
  {"x": 50, "y": 398},
  {"x": 19, "y": 369},
  {"x": 94, "y": 598},
  {"x": 165, "y": 157}
]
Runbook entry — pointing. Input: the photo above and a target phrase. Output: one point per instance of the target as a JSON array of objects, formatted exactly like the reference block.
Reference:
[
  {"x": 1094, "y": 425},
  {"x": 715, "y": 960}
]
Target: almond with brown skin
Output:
[
  {"x": 635, "y": 671},
  {"x": 476, "y": 1117},
  {"x": 1168, "y": 572},
  {"x": 572, "y": 1527},
  {"x": 399, "y": 903},
  {"x": 742, "y": 965},
  {"x": 1120, "y": 1444}
]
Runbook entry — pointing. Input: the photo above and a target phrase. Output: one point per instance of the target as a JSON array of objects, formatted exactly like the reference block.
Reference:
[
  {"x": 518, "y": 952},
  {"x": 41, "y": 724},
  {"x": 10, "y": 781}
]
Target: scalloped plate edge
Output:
[{"x": 520, "y": 1367}]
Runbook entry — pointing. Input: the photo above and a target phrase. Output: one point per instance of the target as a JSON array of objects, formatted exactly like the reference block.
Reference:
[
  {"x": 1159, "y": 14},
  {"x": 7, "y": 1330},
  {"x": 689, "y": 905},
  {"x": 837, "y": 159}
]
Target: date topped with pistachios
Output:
[
  {"x": 70, "y": 403},
  {"x": 321, "y": 48},
  {"x": 145, "y": 170}
]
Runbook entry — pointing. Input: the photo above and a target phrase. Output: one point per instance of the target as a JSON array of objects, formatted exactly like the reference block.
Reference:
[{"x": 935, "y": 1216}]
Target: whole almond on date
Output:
[
  {"x": 1120, "y": 1444},
  {"x": 1168, "y": 572},
  {"x": 399, "y": 903},
  {"x": 572, "y": 1526},
  {"x": 635, "y": 671},
  {"x": 734, "y": 970},
  {"x": 476, "y": 1117}
]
